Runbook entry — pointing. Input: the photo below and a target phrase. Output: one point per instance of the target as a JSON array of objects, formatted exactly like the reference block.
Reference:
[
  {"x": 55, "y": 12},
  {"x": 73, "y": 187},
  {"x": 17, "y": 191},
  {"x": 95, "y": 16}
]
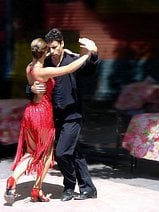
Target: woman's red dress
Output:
[{"x": 37, "y": 132}]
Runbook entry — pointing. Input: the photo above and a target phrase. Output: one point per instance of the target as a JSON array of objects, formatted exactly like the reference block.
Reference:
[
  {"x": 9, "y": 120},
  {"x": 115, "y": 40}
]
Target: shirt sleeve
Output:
[
  {"x": 28, "y": 92},
  {"x": 94, "y": 59}
]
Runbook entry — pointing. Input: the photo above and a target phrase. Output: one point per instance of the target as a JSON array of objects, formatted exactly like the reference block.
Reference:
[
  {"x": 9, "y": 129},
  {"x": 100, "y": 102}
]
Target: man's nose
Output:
[{"x": 52, "y": 50}]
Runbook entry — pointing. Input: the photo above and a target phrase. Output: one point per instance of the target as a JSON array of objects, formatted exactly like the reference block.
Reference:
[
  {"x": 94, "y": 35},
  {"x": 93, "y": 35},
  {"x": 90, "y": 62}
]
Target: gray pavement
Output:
[{"x": 118, "y": 190}]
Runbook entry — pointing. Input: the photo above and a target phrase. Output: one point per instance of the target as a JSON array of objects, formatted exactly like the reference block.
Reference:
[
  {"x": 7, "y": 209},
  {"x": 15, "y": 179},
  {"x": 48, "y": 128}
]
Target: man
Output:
[{"x": 68, "y": 119}]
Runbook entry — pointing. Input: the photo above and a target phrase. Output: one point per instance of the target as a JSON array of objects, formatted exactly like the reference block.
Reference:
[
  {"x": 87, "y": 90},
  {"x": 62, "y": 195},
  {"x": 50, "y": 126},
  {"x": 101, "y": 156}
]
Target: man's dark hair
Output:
[{"x": 54, "y": 35}]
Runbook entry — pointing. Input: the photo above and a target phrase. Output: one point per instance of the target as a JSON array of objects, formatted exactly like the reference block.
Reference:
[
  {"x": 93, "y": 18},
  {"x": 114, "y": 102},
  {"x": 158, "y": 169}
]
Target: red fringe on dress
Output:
[{"x": 37, "y": 133}]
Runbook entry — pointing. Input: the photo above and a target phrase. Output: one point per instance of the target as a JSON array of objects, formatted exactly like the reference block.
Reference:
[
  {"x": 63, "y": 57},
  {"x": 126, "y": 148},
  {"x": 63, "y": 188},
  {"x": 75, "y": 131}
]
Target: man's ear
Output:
[{"x": 62, "y": 44}]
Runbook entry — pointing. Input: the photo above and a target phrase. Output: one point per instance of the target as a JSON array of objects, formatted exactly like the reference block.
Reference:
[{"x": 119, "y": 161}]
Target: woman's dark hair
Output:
[{"x": 54, "y": 35}]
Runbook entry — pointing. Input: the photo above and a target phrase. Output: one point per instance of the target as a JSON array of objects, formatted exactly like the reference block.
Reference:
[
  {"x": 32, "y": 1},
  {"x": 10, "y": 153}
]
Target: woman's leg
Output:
[
  {"x": 48, "y": 160},
  {"x": 22, "y": 166},
  {"x": 37, "y": 193},
  {"x": 12, "y": 181}
]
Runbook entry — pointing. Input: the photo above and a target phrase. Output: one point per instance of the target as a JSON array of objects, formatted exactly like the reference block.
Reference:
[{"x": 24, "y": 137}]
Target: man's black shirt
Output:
[{"x": 66, "y": 97}]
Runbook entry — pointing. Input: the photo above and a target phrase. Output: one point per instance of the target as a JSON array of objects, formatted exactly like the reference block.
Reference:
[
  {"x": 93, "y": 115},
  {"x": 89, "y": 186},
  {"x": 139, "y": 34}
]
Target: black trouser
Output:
[{"x": 71, "y": 162}]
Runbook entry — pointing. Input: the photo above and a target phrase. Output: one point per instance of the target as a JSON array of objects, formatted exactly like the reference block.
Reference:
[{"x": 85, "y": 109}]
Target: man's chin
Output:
[{"x": 54, "y": 57}]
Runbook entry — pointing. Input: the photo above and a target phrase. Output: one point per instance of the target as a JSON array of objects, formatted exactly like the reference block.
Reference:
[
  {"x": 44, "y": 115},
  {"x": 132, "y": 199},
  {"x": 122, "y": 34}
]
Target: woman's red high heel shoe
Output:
[
  {"x": 38, "y": 196},
  {"x": 9, "y": 195}
]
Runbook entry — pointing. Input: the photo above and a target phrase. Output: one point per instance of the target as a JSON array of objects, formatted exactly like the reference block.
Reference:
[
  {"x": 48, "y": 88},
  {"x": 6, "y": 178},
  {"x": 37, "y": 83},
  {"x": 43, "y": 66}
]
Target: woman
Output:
[{"x": 35, "y": 144}]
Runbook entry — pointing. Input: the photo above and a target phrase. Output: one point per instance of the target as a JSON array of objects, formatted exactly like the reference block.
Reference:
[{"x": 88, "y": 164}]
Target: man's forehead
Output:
[{"x": 53, "y": 43}]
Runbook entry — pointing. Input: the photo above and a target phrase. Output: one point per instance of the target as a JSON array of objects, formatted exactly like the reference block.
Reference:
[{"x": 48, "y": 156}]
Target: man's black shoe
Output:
[
  {"x": 86, "y": 194},
  {"x": 67, "y": 195}
]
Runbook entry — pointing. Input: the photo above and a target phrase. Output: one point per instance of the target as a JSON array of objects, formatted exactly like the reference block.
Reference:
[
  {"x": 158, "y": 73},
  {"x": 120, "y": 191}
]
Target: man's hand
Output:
[
  {"x": 88, "y": 44},
  {"x": 38, "y": 88}
]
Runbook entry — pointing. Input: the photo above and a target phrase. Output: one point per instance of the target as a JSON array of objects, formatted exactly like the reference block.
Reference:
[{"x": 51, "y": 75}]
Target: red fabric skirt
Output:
[{"x": 36, "y": 135}]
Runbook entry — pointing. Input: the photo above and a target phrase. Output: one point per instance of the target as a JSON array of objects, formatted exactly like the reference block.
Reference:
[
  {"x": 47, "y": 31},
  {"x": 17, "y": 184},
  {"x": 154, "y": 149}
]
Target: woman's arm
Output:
[
  {"x": 68, "y": 51},
  {"x": 43, "y": 74}
]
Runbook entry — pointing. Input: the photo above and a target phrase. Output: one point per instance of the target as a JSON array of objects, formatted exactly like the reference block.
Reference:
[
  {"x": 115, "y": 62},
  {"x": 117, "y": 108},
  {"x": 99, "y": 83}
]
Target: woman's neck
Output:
[{"x": 37, "y": 63}]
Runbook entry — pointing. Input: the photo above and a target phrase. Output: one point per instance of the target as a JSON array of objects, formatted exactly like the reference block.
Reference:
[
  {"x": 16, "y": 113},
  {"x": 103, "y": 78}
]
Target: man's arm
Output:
[
  {"x": 28, "y": 92},
  {"x": 95, "y": 59},
  {"x": 90, "y": 68}
]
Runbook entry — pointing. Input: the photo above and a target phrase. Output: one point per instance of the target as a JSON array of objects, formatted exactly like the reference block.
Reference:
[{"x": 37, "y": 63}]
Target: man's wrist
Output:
[{"x": 94, "y": 57}]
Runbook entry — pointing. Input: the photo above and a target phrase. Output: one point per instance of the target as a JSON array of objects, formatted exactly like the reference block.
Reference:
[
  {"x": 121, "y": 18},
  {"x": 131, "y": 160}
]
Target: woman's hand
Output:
[
  {"x": 38, "y": 87},
  {"x": 88, "y": 44}
]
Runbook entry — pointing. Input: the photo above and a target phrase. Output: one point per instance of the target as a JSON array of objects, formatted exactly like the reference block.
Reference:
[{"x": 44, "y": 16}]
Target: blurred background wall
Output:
[
  {"x": 125, "y": 31},
  {"x": 127, "y": 35}
]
